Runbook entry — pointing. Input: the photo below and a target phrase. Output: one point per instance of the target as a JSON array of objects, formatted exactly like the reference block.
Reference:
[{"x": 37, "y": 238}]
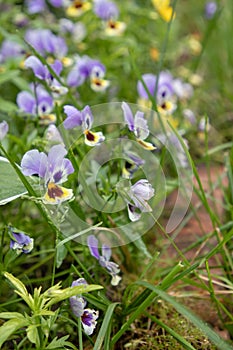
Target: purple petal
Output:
[
  {"x": 105, "y": 9},
  {"x": 75, "y": 78},
  {"x": 150, "y": 82},
  {"x": 74, "y": 117},
  {"x": 93, "y": 246},
  {"x": 3, "y": 129},
  {"x": 77, "y": 305},
  {"x": 87, "y": 118},
  {"x": 35, "y": 6},
  {"x": 38, "y": 68},
  {"x": 140, "y": 127},
  {"x": 26, "y": 102},
  {"x": 89, "y": 320},
  {"x": 143, "y": 189},
  {"x": 128, "y": 116},
  {"x": 56, "y": 3},
  {"x": 57, "y": 67},
  {"x": 34, "y": 163},
  {"x": 106, "y": 252}
]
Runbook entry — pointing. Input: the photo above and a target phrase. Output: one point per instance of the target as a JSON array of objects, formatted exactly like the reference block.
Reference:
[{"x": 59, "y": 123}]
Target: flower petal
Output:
[
  {"x": 57, "y": 194},
  {"x": 128, "y": 116},
  {"x": 34, "y": 163},
  {"x": 92, "y": 242},
  {"x": 74, "y": 117}
]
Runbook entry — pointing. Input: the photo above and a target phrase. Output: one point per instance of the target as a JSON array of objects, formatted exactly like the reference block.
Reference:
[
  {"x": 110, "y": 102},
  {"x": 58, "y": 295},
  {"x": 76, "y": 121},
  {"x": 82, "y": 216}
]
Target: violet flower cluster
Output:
[
  {"x": 20, "y": 242},
  {"x": 78, "y": 305}
]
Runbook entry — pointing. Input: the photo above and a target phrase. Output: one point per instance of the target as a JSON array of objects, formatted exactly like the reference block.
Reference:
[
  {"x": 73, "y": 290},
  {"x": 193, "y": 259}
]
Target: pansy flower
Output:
[
  {"x": 84, "y": 119},
  {"x": 76, "y": 8},
  {"x": 104, "y": 259},
  {"x": 52, "y": 135},
  {"x": 139, "y": 194},
  {"x": 77, "y": 31},
  {"x": 108, "y": 12},
  {"x": 53, "y": 168},
  {"x": 40, "y": 104},
  {"x": 88, "y": 68},
  {"x": 41, "y": 72},
  {"x": 138, "y": 125},
  {"x": 20, "y": 242},
  {"x": 78, "y": 304},
  {"x": 164, "y": 94},
  {"x": 4, "y": 127}
]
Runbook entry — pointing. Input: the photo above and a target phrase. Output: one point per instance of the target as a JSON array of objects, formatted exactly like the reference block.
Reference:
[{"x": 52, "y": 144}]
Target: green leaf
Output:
[
  {"x": 10, "y": 327},
  {"x": 8, "y": 75},
  {"x": 11, "y": 186},
  {"x": 105, "y": 326},
  {"x": 60, "y": 254},
  {"x": 60, "y": 343},
  {"x": 9, "y": 315},
  {"x": 32, "y": 334},
  {"x": 7, "y": 106},
  {"x": 62, "y": 294}
]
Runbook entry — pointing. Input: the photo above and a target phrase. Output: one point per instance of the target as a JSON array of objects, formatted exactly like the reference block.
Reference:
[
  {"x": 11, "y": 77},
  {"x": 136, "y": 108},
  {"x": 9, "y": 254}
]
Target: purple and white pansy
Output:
[
  {"x": 138, "y": 125},
  {"x": 78, "y": 306},
  {"x": 83, "y": 118},
  {"x": 53, "y": 168},
  {"x": 20, "y": 242},
  {"x": 138, "y": 195},
  {"x": 104, "y": 259}
]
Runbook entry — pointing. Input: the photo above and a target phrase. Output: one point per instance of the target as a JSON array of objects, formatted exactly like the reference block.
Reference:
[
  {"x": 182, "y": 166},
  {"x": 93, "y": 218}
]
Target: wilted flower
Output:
[
  {"x": 139, "y": 194},
  {"x": 104, "y": 259},
  {"x": 41, "y": 104},
  {"x": 53, "y": 168},
  {"x": 84, "y": 119},
  {"x": 210, "y": 9},
  {"x": 3, "y": 129},
  {"x": 41, "y": 72},
  {"x": 78, "y": 304},
  {"x": 138, "y": 125},
  {"x": 20, "y": 242}
]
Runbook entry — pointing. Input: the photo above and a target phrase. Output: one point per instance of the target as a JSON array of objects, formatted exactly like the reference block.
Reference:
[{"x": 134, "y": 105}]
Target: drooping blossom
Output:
[
  {"x": 20, "y": 242},
  {"x": 138, "y": 196},
  {"x": 138, "y": 125},
  {"x": 109, "y": 13},
  {"x": 52, "y": 135},
  {"x": 87, "y": 68},
  {"x": 37, "y": 102},
  {"x": 75, "y": 8},
  {"x": 78, "y": 304},
  {"x": 210, "y": 9},
  {"x": 83, "y": 118},
  {"x": 104, "y": 259},
  {"x": 4, "y": 127},
  {"x": 42, "y": 72},
  {"x": 53, "y": 169}
]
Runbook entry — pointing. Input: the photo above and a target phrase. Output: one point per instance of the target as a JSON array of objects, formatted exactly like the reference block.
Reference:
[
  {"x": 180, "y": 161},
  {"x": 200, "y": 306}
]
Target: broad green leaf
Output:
[
  {"x": 10, "y": 327},
  {"x": 32, "y": 334},
  {"x": 11, "y": 186},
  {"x": 9, "y": 315}
]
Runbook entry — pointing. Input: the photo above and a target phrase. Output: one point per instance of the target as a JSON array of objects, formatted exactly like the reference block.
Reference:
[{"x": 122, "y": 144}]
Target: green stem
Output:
[{"x": 80, "y": 336}]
